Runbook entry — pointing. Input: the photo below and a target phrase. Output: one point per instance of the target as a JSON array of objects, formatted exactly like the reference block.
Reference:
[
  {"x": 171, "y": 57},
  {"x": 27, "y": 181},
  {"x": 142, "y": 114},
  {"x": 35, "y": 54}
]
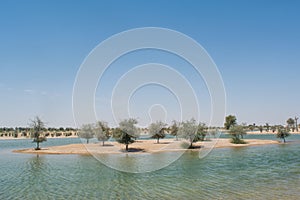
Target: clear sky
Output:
[{"x": 255, "y": 44}]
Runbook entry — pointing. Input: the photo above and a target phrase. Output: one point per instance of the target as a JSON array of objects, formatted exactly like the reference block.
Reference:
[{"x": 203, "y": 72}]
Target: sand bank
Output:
[{"x": 140, "y": 146}]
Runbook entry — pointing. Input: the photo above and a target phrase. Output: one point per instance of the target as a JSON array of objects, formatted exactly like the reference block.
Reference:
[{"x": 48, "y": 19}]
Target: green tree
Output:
[
  {"x": 201, "y": 132},
  {"x": 273, "y": 128},
  {"x": 291, "y": 123},
  {"x": 260, "y": 128},
  {"x": 282, "y": 133},
  {"x": 86, "y": 131},
  {"x": 237, "y": 133},
  {"x": 251, "y": 127},
  {"x": 157, "y": 130},
  {"x": 174, "y": 129},
  {"x": 230, "y": 121},
  {"x": 102, "y": 131},
  {"x": 296, "y": 123},
  {"x": 126, "y": 132},
  {"x": 191, "y": 131},
  {"x": 37, "y": 125},
  {"x": 267, "y": 127},
  {"x": 16, "y": 132}
]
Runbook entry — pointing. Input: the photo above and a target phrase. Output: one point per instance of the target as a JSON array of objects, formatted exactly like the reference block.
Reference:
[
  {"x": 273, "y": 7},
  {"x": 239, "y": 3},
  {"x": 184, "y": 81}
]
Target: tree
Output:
[
  {"x": 237, "y": 133},
  {"x": 37, "y": 125},
  {"x": 102, "y": 131},
  {"x": 267, "y": 127},
  {"x": 201, "y": 132},
  {"x": 282, "y": 133},
  {"x": 174, "y": 129},
  {"x": 86, "y": 132},
  {"x": 291, "y": 123},
  {"x": 157, "y": 130},
  {"x": 126, "y": 132},
  {"x": 261, "y": 128},
  {"x": 189, "y": 131},
  {"x": 273, "y": 128},
  {"x": 251, "y": 127},
  {"x": 296, "y": 123},
  {"x": 230, "y": 121}
]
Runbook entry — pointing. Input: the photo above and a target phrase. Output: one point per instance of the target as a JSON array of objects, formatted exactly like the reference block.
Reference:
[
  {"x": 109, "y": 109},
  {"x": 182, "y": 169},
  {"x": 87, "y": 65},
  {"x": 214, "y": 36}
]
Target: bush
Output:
[{"x": 235, "y": 140}]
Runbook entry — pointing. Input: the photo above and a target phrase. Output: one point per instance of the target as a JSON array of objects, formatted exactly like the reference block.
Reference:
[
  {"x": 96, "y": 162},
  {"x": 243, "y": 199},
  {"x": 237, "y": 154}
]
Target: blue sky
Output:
[{"x": 255, "y": 45}]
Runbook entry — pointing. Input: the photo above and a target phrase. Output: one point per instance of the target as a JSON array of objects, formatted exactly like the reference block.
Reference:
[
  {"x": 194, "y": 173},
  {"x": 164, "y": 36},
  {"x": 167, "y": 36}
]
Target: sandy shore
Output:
[{"x": 140, "y": 146}]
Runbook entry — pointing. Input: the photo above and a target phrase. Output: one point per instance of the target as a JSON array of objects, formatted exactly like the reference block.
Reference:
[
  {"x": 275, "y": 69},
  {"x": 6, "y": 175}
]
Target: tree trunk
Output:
[
  {"x": 157, "y": 140},
  {"x": 283, "y": 139},
  {"x": 37, "y": 145},
  {"x": 126, "y": 147},
  {"x": 87, "y": 141},
  {"x": 102, "y": 142}
]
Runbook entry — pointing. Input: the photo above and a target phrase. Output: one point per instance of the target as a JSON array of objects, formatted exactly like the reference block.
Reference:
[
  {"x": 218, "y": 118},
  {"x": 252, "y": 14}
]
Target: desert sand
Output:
[{"x": 141, "y": 146}]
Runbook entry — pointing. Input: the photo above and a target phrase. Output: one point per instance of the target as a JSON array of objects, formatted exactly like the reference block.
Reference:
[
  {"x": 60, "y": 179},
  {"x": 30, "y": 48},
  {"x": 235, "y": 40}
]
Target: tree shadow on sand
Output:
[
  {"x": 162, "y": 143},
  {"x": 107, "y": 145},
  {"x": 196, "y": 147},
  {"x": 132, "y": 150},
  {"x": 186, "y": 145}
]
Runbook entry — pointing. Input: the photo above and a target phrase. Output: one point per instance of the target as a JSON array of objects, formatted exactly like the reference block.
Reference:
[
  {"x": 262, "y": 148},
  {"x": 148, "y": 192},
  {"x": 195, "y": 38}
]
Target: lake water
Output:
[{"x": 258, "y": 172}]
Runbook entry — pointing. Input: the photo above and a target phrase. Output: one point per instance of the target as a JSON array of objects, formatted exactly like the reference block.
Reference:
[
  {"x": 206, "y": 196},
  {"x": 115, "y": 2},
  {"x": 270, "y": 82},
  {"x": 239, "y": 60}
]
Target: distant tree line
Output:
[
  {"x": 237, "y": 132},
  {"x": 26, "y": 131}
]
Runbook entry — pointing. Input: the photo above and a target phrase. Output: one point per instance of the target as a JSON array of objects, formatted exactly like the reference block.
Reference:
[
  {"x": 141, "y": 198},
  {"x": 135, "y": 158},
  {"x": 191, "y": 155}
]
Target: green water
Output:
[{"x": 260, "y": 172}]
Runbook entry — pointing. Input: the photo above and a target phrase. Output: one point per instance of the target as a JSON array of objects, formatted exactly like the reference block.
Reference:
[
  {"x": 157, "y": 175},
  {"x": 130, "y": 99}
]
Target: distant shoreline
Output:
[
  {"x": 141, "y": 146},
  {"x": 223, "y": 132},
  {"x": 28, "y": 138}
]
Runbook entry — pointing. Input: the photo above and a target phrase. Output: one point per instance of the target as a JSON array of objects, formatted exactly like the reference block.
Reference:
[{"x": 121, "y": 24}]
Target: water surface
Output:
[{"x": 258, "y": 172}]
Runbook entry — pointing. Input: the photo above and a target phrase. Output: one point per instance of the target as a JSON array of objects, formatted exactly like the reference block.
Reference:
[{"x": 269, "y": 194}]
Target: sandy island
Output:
[{"x": 141, "y": 146}]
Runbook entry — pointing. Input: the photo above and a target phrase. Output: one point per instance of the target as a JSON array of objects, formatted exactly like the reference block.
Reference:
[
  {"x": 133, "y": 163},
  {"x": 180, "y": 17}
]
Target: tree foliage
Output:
[
  {"x": 261, "y": 128},
  {"x": 102, "y": 131},
  {"x": 237, "y": 133},
  {"x": 86, "y": 131},
  {"x": 230, "y": 121},
  {"x": 37, "y": 125},
  {"x": 192, "y": 131},
  {"x": 282, "y": 133},
  {"x": 291, "y": 123},
  {"x": 201, "y": 132},
  {"x": 267, "y": 127},
  {"x": 174, "y": 129},
  {"x": 157, "y": 130},
  {"x": 126, "y": 131},
  {"x": 251, "y": 127}
]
